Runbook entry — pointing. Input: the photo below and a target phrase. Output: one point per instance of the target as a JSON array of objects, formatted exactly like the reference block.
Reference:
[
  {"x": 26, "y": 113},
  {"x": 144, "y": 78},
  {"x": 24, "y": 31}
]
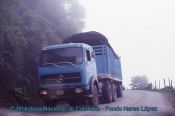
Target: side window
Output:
[{"x": 88, "y": 55}]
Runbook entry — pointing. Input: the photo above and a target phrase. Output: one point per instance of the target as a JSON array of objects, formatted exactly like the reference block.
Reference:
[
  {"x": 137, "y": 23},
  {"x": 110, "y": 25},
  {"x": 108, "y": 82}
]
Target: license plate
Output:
[{"x": 59, "y": 92}]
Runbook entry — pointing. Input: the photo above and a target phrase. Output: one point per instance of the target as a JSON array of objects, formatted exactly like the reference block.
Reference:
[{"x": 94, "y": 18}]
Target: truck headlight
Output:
[
  {"x": 43, "y": 92},
  {"x": 78, "y": 90}
]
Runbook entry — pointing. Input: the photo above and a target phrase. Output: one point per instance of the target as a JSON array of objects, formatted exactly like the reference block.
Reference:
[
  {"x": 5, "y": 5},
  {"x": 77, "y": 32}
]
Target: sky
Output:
[{"x": 142, "y": 32}]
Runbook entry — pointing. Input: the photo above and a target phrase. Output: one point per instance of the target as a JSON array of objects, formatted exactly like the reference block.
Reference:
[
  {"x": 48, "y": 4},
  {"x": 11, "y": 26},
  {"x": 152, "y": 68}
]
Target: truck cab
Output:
[{"x": 66, "y": 71}]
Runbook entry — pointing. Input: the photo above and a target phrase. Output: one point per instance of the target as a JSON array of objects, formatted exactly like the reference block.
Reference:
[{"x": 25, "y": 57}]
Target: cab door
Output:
[{"x": 90, "y": 65}]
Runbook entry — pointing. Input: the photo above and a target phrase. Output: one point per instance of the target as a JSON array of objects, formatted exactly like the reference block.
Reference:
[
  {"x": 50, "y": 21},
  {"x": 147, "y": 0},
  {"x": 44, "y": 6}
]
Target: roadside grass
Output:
[{"x": 169, "y": 93}]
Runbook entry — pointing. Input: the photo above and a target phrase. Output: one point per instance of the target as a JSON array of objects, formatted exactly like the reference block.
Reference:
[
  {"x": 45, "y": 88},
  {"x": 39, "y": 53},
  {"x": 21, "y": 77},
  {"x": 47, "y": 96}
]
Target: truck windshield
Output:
[{"x": 61, "y": 56}]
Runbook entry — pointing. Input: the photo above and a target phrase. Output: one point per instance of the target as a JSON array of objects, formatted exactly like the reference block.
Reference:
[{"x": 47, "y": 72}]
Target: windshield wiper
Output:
[
  {"x": 50, "y": 64},
  {"x": 70, "y": 63},
  {"x": 57, "y": 64}
]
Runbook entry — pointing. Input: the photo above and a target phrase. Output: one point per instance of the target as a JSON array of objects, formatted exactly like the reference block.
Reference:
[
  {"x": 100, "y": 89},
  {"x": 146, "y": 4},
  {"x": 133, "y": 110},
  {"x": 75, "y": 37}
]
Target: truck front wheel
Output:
[{"x": 94, "y": 99}]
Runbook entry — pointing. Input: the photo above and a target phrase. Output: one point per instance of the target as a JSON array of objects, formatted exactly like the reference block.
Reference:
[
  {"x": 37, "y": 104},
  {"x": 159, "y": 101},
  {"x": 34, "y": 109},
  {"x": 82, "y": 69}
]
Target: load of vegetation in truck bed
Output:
[{"x": 92, "y": 38}]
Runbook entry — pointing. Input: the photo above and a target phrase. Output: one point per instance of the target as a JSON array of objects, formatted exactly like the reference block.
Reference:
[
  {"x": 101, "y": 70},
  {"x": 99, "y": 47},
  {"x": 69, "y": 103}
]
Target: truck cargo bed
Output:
[{"x": 108, "y": 65}]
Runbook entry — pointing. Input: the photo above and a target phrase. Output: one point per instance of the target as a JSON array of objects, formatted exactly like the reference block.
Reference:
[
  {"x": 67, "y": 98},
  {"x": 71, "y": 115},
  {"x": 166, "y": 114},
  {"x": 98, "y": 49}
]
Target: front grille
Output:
[{"x": 61, "y": 78}]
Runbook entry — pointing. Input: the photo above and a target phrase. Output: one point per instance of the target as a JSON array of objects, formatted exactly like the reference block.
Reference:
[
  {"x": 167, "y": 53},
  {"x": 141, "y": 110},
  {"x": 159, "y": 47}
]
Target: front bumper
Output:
[{"x": 65, "y": 93}]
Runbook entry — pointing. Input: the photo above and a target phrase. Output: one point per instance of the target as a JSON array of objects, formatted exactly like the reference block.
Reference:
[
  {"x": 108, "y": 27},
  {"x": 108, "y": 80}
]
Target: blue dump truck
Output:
[{"x": 84, "y": 70}]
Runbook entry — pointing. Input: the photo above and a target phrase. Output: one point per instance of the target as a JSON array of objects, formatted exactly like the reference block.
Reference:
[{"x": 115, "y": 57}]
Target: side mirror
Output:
[{"x": 93, "y": 54}]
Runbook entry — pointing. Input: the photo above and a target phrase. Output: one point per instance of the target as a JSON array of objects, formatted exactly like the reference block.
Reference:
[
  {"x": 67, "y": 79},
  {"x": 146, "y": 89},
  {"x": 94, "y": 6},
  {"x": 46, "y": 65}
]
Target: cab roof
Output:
[{"x": 66, "y": 45}]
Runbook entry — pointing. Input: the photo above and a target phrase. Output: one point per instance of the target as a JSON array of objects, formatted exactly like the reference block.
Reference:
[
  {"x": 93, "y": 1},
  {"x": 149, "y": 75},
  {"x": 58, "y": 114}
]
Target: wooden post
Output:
[
  {"x": 169, "y": 81},
  {"x": 164, "y": 83},
  {"x": 155, "y": 85}
]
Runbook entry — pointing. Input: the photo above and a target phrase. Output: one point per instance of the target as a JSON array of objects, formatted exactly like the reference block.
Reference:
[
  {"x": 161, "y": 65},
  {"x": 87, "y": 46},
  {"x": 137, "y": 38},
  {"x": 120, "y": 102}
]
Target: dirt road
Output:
[{"x": 133, "y": 103}]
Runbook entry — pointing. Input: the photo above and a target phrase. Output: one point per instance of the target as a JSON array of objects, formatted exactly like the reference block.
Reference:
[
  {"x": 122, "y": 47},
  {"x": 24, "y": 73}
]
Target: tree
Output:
[
  {"x": 25, "y": 27},
  {"x": 139, "y": 82}
]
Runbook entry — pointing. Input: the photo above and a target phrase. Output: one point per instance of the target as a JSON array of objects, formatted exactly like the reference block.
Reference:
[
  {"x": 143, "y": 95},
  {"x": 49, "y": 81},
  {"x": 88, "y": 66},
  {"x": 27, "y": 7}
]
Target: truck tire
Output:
[
  {"x": 119, "y": 90},
  {"x": 107, "y": 92},
  {"x": 114, "y": 93},
  {"x": 94, "y": 100}
]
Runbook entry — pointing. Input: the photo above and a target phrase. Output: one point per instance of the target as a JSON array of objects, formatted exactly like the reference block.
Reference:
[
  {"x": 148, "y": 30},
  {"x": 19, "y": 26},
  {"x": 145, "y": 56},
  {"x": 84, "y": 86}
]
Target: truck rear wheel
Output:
[
  {"x": 114, "y": 93},
  {"x": 94, "y": 100},
  {"x": 107, "y": 92},
  {"x": 119, "y": 90}
]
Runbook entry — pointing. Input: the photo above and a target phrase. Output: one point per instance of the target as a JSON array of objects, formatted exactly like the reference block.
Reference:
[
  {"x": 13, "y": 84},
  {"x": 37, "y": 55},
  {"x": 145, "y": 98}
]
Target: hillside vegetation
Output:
[{"x": 25, "y": 27}]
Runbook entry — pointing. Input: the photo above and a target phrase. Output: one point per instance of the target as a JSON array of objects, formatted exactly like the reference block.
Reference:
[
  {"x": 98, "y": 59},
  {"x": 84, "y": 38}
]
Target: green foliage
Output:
[
  {"x": 25, "y": 27},
  {"x": 19, "y": 93}
]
